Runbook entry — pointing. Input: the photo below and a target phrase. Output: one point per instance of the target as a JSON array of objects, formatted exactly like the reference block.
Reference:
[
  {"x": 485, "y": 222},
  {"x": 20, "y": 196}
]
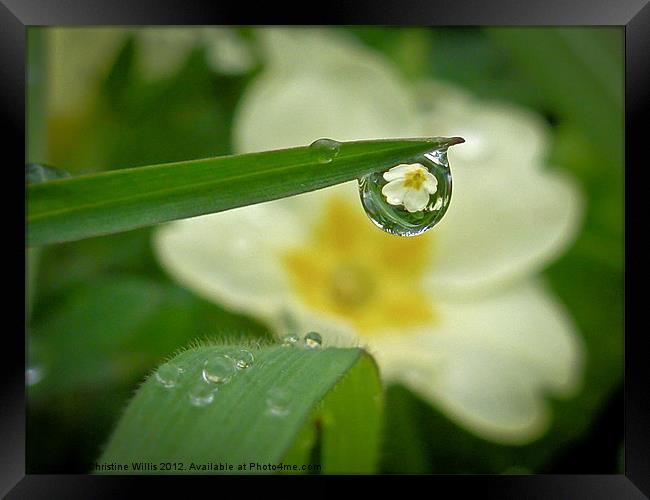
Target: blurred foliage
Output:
[
  {"x": 135, "y": 121},
  {"x": 105, "y": 313}
]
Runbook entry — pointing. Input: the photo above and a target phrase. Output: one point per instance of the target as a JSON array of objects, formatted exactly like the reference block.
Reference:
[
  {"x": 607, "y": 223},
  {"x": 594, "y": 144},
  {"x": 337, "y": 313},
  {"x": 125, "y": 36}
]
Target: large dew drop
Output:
[
  {"x": 313, "y": 340},
  {"x": 410, "y": 198},
  {"x": 218, "y": 370}
]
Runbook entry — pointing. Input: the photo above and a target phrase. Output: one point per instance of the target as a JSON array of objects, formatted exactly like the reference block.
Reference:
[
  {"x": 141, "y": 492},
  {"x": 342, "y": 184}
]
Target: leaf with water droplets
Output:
[
  {"x": 276, "y": 410},
  {"x": 66, "y": 209}
]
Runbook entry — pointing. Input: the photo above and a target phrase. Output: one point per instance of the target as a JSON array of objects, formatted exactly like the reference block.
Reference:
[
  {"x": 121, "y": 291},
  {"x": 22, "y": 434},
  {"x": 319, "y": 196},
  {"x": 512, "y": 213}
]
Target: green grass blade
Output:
[
  {"x": 347, "y": 412},
  {"x": 120, "y": 200},
  {"x": 161, "y": 425}
]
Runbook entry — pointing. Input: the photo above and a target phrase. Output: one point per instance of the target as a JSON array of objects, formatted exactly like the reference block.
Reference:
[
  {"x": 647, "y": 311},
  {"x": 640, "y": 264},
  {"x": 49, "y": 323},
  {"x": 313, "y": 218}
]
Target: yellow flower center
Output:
[
  {"x": 351, "y": 269},
  {"x": 414, "y": 179}
]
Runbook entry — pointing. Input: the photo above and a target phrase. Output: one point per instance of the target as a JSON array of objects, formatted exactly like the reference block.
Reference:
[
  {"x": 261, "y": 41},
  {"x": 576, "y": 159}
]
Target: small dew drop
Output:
[
  {"x": 202, "y": 393},
  {"x": 35, "y": 173},
  {"x": 325, "y": 150},
  {"x": 410, "y": 198},
  {"x": 278, "y": 401},
  {"x": 242, "y": 358},
  {"x": 218, "y": 370},
  {"x": 290, "y": 340},
  {"x": 313, "y": 340},
  {"x": 33, "y": 375},
  {"x": 168, "y": 375}
]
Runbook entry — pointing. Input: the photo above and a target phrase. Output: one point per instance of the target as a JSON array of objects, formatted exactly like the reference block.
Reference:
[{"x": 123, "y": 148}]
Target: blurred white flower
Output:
[{"x": 456, "y": 314}]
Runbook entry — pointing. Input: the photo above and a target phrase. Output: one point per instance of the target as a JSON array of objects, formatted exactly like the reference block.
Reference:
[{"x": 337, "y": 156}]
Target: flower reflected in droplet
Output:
[{"x": 410, "y": 185}]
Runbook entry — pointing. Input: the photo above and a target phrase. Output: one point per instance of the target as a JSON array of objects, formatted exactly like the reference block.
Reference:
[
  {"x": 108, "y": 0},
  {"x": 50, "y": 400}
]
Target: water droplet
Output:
[
  {"x": 168, "y": 375},
  {"x": 242, "y": 358},
  {"x": 218, "y": 370},
  {"x": 291, "y": 339},
  {"x": 202, "y": 393},
  {"x": 38, "y": 362},
  {"x": 35, "y": 173},
  {"x": 33, "y": 375},
  {"x": 313, "y": 340},
  {"x": 411, "y": 197},
  {"x": 325, "y": 150},
  {"x": 278, "y": 401}
]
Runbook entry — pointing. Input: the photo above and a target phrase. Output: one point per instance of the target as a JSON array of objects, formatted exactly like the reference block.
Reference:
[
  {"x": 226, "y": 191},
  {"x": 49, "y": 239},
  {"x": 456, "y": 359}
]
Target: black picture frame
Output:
[{"x": 633, "y": 15}]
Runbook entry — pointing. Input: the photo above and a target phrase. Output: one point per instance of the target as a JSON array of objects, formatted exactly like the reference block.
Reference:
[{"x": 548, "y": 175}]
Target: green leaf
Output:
[
  {"x": 333, "y": 394},
  {"x": 404, "y": 450},
  {"x": 346, "y": 411},
  {"x": 351, "y": 423},
  {"x": 120, "y": 200}
]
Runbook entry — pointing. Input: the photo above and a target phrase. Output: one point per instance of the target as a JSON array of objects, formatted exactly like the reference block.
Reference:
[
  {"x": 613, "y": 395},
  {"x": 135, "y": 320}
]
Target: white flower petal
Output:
[
  {"x": 490, "y": 363},
  {"x": 509, "y": 216},
  {"x": 416, "y": 199},
  {"x": 399, "y": 171},
  {"x": 321, "y": 85},
  {"x": 501, "y": 225},
  {"x": 395, "y": 191},
  {"x": 231, "y": 257},
  {"x": 431, "y": 183},
  {"x": 494, "y": 132}
]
